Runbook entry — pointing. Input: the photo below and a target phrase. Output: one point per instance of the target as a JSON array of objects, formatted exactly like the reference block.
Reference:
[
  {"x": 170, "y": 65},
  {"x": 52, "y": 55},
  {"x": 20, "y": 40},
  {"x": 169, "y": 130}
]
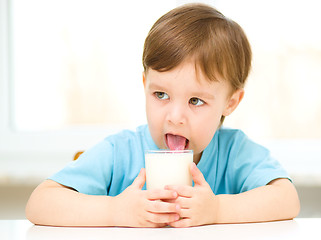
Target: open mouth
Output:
[{"x": 176, "y": 142}]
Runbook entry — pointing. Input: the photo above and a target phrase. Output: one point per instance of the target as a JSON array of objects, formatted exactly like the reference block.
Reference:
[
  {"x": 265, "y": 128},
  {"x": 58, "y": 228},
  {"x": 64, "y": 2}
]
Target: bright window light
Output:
[{"x": 78, "y": 63}]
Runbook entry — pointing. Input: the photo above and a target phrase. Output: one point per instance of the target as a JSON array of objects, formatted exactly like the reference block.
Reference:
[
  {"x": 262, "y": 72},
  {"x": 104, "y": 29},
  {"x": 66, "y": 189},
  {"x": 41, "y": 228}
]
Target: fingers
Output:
[
  {"x": 161, "y": 194},
  {"x": 184, "y": 222},
  {"x": 197, "y": 175},
  {"x": 162, "y": 217},
  {"x": 155, "y": 225},
  {"x": 183, "y": 191},
  {"x": 158, "y": 212},
  {"x": 162, "y": 207},
  {"x": 140, "y": 179},
  {"x": 172, "y": 205},
  {"x": 187, "y": 191}
]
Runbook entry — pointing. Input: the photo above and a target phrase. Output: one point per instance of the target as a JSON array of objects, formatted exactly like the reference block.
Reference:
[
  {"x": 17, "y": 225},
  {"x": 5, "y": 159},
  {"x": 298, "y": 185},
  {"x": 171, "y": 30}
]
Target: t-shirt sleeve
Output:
[
  {"x": 252, "y": 165},
  {"x": 91, "y": 173}
]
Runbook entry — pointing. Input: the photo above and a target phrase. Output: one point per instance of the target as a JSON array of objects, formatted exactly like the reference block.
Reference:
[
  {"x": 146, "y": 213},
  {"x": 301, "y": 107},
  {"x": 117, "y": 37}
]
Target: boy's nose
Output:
[{"x": 177, "y": 115}]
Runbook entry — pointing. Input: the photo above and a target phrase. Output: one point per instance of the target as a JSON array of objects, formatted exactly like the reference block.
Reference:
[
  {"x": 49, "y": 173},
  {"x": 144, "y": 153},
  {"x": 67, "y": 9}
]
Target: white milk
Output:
[{"x": 165, "y": 167}]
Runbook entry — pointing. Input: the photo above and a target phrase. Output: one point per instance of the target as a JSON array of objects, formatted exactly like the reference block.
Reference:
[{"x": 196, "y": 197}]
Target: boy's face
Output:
[{"x": 183, "y": 110}]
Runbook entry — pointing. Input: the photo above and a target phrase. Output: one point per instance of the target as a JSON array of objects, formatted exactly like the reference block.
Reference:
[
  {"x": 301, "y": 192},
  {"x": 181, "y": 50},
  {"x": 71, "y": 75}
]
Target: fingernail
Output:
[{"x": 175, "y": 194}]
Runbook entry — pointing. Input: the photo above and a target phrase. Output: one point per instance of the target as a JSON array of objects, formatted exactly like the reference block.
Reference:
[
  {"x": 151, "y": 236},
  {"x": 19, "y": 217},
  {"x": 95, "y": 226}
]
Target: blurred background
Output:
[{"x": 71, "y": 74}]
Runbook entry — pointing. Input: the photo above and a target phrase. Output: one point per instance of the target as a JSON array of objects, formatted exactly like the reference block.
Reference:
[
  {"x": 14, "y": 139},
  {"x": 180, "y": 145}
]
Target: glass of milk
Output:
[{"x": 168, "y": 167}]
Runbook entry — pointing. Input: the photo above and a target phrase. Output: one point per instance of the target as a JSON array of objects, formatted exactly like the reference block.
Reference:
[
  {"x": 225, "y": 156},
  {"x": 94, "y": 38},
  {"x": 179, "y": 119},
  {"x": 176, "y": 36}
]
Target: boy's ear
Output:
[
  {"x": 234, "y": 101},
  {"x": 144, "y": 79}
]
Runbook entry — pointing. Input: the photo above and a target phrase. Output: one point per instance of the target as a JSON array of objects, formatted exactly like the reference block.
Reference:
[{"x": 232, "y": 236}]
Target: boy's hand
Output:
[
  {"x": 137, "y": 208},
  {"x": 198, "y": 204}
]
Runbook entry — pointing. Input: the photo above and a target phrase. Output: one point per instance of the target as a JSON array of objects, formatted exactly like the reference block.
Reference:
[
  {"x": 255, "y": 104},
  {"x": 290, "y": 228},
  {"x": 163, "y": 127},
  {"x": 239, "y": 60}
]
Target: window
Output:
[
  {"x": 78, "y": 63},
  {"x": 71, "y": 73},
  {"x": 72, "y": 68},
  {"x": 281, "y": 99}
]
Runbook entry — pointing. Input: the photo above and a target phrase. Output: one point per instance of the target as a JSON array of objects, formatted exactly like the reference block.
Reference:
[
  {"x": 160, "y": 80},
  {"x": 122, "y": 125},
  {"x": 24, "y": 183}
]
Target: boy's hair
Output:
[{"x": 217, "y": 44}]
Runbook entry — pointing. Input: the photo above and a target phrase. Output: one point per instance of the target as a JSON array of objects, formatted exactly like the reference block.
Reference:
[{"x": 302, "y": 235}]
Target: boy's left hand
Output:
[{"x": 198, "y": 204}]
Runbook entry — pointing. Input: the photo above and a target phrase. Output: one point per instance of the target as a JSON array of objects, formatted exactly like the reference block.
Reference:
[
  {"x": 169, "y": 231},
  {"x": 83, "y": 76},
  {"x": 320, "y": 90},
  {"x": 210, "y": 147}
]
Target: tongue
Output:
[{"x": 175, "y": 142}]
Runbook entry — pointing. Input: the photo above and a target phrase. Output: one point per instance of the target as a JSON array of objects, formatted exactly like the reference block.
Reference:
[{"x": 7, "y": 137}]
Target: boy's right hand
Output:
[{"x": 135, "y": 207}]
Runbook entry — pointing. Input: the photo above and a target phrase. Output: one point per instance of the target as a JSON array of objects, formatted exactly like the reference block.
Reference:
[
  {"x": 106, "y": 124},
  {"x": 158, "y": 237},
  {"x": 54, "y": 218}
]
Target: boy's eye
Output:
[
  {"x": 196, "y": 101},
  {"x": 161, "y": 95}
]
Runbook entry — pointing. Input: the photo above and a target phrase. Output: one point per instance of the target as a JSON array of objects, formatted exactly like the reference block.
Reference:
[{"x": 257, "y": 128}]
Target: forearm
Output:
[
  {"x": 59, "y": 206},
  {"x": 276, "y": 201}
]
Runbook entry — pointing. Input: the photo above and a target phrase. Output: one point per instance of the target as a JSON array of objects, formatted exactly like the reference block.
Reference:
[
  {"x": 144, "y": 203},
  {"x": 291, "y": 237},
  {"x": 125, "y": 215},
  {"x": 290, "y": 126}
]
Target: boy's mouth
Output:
[{"x": 176, "y": 142}]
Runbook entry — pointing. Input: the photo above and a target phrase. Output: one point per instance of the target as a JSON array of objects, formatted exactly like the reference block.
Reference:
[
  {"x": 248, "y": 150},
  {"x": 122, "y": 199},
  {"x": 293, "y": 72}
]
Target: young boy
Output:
[{"x": 195, "y": 62}]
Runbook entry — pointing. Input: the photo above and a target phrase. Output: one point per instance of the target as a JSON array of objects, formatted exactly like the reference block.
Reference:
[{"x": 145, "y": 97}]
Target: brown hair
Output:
[{"x": 217, "y": 44}]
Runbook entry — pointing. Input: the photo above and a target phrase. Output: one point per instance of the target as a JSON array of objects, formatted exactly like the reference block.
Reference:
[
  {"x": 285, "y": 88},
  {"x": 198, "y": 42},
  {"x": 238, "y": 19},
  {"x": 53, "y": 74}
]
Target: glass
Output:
[{"x": 167, "y": 167}]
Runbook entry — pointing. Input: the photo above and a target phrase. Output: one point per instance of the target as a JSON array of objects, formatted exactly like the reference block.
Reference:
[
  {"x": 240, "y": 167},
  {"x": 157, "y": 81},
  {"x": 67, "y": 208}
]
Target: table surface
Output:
[{"x": 299, "y": 228}]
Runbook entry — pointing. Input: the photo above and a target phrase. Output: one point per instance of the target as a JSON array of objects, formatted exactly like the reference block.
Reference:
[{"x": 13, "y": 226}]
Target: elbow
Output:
[
  {"x": 296, "y": 205},
  {"x": 293, "y": 202},
  {"x": 30, "y": 211},
  {"x": 288, "y": 199},
  {"x": 33, "y": 209}
]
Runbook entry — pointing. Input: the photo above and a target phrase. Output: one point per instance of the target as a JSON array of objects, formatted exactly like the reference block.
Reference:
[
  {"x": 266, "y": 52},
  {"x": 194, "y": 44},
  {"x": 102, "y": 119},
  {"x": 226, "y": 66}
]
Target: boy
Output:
[{"x": 195, "y": 62}]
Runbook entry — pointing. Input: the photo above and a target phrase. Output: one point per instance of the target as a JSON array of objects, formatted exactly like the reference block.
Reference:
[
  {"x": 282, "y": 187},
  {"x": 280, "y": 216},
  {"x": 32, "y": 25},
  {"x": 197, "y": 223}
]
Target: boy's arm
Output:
[
  {"x": 276, "y": 201},
  {"x": 56, "y": 205}
]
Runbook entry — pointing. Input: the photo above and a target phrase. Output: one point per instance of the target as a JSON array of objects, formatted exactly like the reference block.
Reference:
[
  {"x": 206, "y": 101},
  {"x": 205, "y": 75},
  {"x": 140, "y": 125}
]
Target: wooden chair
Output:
[{"x": 76, "y": 156}]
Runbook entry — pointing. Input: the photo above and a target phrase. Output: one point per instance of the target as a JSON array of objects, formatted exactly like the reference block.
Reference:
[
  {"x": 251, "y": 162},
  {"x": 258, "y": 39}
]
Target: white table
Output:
[{"x": 300, "y": 228}]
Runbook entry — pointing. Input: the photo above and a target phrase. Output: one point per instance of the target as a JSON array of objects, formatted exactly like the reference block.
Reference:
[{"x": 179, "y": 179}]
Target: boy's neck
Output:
[{"x": 197, "y": 158}]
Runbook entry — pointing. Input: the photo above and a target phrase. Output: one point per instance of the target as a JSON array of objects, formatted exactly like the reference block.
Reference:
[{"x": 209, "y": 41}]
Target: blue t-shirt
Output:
[{"x": 231, "y": 163}]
